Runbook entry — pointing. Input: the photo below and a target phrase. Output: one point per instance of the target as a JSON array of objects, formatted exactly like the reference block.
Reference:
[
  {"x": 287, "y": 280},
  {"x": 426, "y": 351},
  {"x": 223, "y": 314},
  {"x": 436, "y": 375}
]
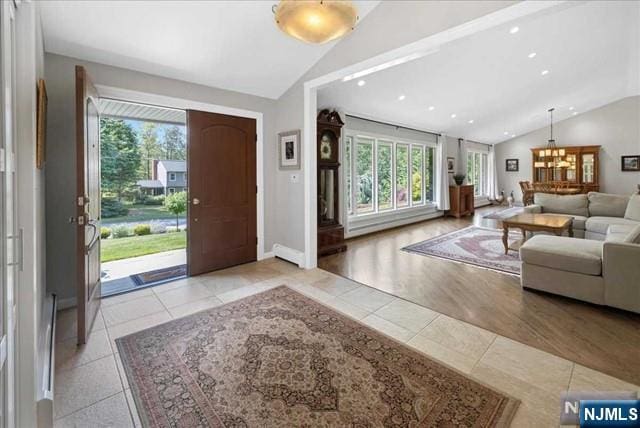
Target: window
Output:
[
  {"x": 383, "y": 175},
  {"x": 172, "y": 190},
  {"x": 477, "y": 174},
  {"x": 348, "y": 143},
  {"x": 417, "y": 173},
  {"x": 402, "y": 175},
  {"x": 172, "y": 176},
  {"x": 384, "y": 172},
  {"x": 364, "y": 174},
  {"x": 184, "y": 177}
]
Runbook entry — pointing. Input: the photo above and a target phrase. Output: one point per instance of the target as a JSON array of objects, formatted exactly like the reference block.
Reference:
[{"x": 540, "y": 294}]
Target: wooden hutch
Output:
[{"x": 579, "y": 167}]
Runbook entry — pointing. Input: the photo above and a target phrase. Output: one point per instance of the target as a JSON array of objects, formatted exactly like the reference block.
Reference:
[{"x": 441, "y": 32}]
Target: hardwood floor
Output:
[{"x": 600, "y": 338}]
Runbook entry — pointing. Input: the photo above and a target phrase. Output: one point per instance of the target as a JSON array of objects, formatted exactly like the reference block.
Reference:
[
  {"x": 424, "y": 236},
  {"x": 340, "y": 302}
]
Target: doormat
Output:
[
  {"x": 159, "y": 275},
  {"x": 280, "y": 359}
]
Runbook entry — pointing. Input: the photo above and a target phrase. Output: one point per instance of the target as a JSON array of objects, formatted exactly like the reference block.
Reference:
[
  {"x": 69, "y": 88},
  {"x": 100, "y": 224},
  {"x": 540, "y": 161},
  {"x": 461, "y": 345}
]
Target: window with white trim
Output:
[
  {"x": 477, "y": 172},
  {"x": 172, "y": 176},
  {"x": 383, "y": 174}
]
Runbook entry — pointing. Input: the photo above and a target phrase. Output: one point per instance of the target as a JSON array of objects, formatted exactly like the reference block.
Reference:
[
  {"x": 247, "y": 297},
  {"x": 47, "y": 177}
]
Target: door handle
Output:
[{"x": 195, "y": 201}]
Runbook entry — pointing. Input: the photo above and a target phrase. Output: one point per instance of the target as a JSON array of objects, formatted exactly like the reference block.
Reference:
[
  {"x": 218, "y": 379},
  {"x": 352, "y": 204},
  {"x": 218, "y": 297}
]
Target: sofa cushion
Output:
[
  {"x": 579, "y": 222},
  {"x": 567, "y": 254},
  {"x": 601, "y": 224},
  {"x": 562, "y": 204},
  {"x": 607, "y": 204},
  {"x": 633, "y": 208},
  {"x": 633, "y": 237}
]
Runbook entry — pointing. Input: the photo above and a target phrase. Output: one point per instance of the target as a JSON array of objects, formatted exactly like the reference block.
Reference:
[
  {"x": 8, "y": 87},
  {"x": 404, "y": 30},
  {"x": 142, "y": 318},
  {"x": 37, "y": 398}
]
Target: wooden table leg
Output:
[{"x": 505, "y": 238}]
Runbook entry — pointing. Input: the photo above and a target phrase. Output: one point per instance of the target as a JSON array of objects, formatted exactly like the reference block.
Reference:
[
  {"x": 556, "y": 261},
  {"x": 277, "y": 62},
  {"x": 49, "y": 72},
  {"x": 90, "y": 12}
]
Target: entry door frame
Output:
[{"x": 185, "y": 104}]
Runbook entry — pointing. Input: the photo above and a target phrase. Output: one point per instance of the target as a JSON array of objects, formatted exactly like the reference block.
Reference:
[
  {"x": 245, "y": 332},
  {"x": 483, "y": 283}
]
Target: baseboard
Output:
[
  {"x": 289, "y": 254},
  {"x": 268, "y": 255}
]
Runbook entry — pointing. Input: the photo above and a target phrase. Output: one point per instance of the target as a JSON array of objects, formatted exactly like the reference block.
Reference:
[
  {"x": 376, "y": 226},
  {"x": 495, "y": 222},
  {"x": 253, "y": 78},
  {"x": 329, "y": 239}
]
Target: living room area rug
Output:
[
  {"x": 472, "y": 245},
  {"x": 279, "y": 358}
]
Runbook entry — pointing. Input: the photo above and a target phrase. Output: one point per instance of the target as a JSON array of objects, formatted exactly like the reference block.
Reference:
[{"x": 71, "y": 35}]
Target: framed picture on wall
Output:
[
  {"x": 41, "y": 124},
  {"x": 512, "y": 165},
  {"x": 289, "y": 149},
  {"x": 630, "y": 163},
  {"x": 451, "y": 165}
]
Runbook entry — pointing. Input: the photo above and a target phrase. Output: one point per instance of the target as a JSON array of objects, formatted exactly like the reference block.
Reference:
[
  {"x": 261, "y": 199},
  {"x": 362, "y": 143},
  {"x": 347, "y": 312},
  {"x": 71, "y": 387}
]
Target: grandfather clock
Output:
[{"x": 330, "y": 231}]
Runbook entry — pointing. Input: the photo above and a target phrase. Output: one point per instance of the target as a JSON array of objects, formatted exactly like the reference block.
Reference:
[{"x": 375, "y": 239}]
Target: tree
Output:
[
  {"x": 120, "y": 155},
  {"x": 176, "y": 203},
  {"x": 173, "y": 143},
  {"x": 149, "y": 147}
]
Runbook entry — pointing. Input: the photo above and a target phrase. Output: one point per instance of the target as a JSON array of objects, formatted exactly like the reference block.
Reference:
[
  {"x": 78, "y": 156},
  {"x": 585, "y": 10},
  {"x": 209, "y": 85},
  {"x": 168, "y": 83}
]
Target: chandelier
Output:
[
  {"x": 552, "y": 152},
  {"x": 315, "y": 21}
]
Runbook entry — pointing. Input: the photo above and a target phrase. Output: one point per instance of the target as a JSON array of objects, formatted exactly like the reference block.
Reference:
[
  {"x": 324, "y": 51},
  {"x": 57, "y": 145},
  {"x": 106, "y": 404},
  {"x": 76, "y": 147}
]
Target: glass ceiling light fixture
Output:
[{"x": 315, "y": 21}]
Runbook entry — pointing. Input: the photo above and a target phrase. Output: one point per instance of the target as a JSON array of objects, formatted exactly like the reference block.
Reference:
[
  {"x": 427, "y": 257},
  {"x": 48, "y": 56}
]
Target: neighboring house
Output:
[{"x": 169, "y": 176}]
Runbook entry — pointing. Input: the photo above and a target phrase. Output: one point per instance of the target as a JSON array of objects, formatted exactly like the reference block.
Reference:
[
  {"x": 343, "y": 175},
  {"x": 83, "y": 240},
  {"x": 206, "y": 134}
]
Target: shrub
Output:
[
  {"x": 111, "y": 207},
  {"x": 153, "y": 200},
  {"x": 105, "y": 232},
  {"x": 142, "y": 229},
  {"x": 158, "y": 228},
  {"x": 120, "y": 231}
]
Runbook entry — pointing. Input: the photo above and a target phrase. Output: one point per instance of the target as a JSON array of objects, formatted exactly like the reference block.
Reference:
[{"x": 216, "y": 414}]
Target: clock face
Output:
[{"x": 325, "y": 147}]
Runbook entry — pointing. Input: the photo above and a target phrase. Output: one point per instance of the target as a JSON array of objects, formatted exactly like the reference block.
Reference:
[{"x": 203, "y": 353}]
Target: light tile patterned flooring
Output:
[{"x": 91, "y": 389}]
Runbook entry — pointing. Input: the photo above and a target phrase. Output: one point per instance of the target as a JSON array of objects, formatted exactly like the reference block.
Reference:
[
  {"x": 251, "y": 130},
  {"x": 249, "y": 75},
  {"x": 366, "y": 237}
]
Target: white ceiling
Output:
[
  {"x": 144, "y": 112},
  {"x": 234, "y": 45},
  {"x": 591, "y": 49}
]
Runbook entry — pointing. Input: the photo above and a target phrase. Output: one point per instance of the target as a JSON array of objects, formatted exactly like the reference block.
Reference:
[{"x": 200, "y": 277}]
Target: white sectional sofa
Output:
[{"x": 601, "y": 264}]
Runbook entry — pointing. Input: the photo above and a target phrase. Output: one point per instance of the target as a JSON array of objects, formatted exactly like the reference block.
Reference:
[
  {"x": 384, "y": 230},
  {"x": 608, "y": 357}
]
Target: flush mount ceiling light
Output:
[{"x": 315, "y": 21}]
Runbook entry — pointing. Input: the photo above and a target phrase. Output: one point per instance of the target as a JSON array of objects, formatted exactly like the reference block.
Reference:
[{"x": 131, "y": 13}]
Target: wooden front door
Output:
[
  {"x": 87, "y": 203},
  {"x": 221, "y": 226}
]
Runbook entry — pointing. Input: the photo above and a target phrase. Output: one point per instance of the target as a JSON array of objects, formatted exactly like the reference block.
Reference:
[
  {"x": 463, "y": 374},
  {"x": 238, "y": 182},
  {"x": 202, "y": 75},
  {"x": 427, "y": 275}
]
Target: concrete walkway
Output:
[{"x": 125, "y": 267}]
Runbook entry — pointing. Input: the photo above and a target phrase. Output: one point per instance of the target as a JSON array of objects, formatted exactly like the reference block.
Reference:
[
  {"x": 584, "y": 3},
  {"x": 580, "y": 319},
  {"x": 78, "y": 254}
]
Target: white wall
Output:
[
  {"x": 31, "y": 219},
  {"x": 60, "y": 75},
  {"x": 615, "y": 126},
  {"x": 388, "y": 26}
]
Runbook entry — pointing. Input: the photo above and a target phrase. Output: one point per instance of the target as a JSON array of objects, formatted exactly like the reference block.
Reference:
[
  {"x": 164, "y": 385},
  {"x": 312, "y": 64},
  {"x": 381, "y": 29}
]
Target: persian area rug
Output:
[
  {"x": 475, "y": 246},
  {"x": 280, "y": 359}
]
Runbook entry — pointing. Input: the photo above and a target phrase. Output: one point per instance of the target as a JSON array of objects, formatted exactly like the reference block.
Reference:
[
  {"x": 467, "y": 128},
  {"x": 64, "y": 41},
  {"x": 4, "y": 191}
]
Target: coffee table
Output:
[{"x": 552, "y": 223}]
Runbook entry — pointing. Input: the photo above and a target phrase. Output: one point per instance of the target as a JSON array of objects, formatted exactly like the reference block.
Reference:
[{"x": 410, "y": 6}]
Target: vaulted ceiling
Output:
[
  {"x": 233, "y": 45},
  {"x": 500, "y": 82}
]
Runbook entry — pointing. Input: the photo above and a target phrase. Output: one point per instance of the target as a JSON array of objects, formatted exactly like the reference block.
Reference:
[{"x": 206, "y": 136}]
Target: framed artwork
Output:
[
  {"x": 512, "y": 165},
  {"x": 630, "y": 163},
  {"x": 289, "y": 149},
  {"x": 41, "y": 124},
  {"x": 451, "y": 165}
]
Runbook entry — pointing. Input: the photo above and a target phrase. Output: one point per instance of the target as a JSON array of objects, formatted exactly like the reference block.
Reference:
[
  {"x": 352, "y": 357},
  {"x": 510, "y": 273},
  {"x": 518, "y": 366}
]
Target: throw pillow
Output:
[
  {"x": 633, "y": 208},
  {"x": 634, "y": 236}
]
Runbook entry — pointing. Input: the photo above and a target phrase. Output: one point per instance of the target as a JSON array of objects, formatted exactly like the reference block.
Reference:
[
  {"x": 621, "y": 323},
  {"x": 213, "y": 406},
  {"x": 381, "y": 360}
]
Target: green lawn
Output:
[
  {"x": 141, "y": 213},
  {"x": 124, "y": 248}
]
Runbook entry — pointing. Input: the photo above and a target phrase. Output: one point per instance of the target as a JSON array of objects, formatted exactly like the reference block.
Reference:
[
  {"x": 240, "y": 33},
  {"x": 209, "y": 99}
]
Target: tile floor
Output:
[{"x": 91, "y": 389}]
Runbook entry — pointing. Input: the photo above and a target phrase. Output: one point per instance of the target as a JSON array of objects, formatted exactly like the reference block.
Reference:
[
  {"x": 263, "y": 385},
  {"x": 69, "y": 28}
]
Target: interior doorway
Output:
[{"x": 144, "y": 188}]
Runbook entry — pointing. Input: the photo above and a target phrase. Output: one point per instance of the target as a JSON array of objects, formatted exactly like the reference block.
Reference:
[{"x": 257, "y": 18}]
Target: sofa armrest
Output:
[
  {"x": 533, "y": 209},
  {"x": 621, "y": 272}
]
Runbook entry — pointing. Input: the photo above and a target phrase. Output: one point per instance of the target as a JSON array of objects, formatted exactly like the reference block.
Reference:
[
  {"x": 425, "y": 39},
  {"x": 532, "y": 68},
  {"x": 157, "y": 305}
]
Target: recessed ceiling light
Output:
[
  {"x": 361, "y": 83},
  {"x": 401, "y": 97},
  {"x": 471, "y": 121},
  {"x": 532, "y": 55},
  {"x": 431, "y": 108},
  {"x": 513, "y": 135},
  {"x": 544, "y": 72},
  {"x": 575, "y": 112},
  {"x": 506, "y": 132},
  {"x": 453, "y": 115},
  {"x": 571, "y": 108},
  {"x": 514, "y": 30}
]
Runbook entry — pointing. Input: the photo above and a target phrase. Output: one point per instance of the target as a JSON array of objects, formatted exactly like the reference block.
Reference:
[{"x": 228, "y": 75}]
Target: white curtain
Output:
[
  {"x": 493, "y": 174},
  {"x": 462, "y": 158},
  {"x": 442, "y": 175}
]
